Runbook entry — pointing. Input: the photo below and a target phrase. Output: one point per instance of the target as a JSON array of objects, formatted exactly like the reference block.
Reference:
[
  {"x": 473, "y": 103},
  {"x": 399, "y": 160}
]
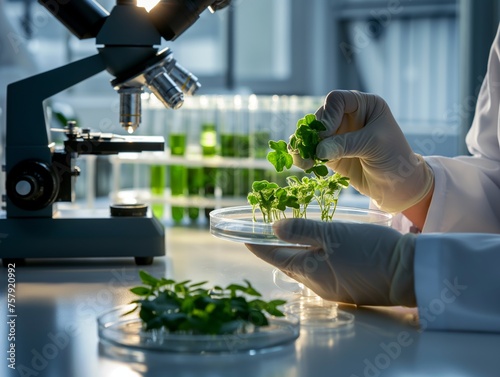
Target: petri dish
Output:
[
  {"x": 117, "y": 328},
  {"x": 314, "y": 312},
  {"x": 237, "y": 223}
]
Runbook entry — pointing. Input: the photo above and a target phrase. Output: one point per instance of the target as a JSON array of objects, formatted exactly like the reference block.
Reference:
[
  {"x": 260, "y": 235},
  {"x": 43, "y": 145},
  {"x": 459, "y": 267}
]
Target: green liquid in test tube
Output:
[
  {"x": 158, "y": 174},
  {"x": 178, "y": 173},
  {"x": 242, "y": 176},
  {"x": 235, "y": 181},
  {"x": 227, "y": 175},
  {"x": 261, "y": 148},
  {"x": 208, "y": 141},
  {"x": 195, "y": 185}
]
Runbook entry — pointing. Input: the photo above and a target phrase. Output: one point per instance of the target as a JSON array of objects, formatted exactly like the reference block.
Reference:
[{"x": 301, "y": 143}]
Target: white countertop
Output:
[{"x": 56, "y": 332}]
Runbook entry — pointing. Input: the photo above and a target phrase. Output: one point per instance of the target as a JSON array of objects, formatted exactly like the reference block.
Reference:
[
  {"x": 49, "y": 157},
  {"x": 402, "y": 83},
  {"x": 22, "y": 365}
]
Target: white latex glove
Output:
[
  {"x": 364, "y": 142},
  {"x": 361, "y": 264}
]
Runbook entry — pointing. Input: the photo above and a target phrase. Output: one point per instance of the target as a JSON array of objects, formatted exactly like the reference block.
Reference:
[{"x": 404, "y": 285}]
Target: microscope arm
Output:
[{"x": 26, "y": 125}]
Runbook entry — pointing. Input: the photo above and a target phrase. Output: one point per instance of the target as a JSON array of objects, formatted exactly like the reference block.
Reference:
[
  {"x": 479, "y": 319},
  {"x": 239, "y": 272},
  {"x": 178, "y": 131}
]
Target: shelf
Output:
[
  {"x": 145, "y": 196},
  {"x": 164, "y": 158}
]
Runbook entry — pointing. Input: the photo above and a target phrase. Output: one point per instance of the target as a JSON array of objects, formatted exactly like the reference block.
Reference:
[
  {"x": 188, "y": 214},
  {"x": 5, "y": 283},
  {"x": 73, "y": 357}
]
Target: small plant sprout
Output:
[
  {"x": 191, "y": 308},
  {"x": 273, "y": 200}
]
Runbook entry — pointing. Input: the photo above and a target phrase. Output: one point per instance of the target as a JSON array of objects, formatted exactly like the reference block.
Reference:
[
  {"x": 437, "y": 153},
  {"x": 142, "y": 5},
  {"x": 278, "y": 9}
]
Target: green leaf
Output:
[
  {"x": 292, "y": 202},
  {"x": 148, "y": 279},
  {"x": 321, "y": 170},
  {"x": 279, "y": 146},
  {"x": 280, "y": 160},
  {"x": 145, "y": 314},
  {"x": 164, "y": 282},
  {"x": 181, "y": 286},
  {"x": 310, "y": 118},
  {"x": 198, "y": 284},
  {"x": 258, "y": 304},
  {"x": 252, "y": 199},
  {"x": 235, "y": 288},
  {"x": 154, "y": 323},
  {"x": 260, "y": 185},
  {"x": 317, "y": 125},
  {"x": 279, "y": 157},
  {"x": 140, "y": 291},
  {"x": 273, "y": 311},
  {"x": 277, "y": 302},
  {"x": 258, "y": 318},
  {"x": 250, "y": 290}
]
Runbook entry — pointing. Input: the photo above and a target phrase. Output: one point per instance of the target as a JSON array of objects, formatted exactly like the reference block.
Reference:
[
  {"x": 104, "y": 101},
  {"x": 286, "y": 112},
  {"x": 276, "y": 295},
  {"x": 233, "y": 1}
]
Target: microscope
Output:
[{"x": 39, "y": 175}]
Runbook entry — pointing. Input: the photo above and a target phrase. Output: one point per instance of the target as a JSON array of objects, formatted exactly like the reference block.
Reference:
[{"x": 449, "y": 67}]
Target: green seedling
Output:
[
  {"x": 191, "y": 308},
  {"x": 273, "y": 200}
]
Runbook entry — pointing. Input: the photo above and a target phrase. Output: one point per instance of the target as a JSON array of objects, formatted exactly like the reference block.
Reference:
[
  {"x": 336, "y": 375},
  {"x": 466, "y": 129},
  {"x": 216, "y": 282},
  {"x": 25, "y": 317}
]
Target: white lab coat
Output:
[{"x": 456, "y": 275}]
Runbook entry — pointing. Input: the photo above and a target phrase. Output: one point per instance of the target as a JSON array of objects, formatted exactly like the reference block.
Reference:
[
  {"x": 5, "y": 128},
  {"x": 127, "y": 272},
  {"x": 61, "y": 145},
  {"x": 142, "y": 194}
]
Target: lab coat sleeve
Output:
[
  {"x": 466, "y": 195},
  {"x": 456, "y": 281},
  {"x": 467, "y": 189}
]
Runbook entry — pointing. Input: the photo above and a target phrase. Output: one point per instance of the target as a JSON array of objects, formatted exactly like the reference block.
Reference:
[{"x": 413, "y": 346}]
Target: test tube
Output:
[
  {"x": 227, "y": 143},
  {"x": 157, "y": 124},
  {"x": 258, "y": 119},
  {"x": 242, "y": 144},
  {"x": 178, "y": 173},
  {"x": 158, "y": 181},
  {"x": 234, "y": 143},
  {"x": 208, "y": 142},
  {"x": 195, "y": 185},
  {"x": 194, "y": 173}
]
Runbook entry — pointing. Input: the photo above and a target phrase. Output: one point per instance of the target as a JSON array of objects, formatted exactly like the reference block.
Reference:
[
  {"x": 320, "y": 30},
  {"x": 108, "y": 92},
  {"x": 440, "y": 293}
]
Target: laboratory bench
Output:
[{"x": 57, "y": 302}]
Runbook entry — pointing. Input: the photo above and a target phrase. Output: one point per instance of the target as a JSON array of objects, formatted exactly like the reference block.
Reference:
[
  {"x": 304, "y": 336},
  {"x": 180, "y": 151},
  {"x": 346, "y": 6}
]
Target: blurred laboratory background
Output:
[{"x": 262, "y": 65}]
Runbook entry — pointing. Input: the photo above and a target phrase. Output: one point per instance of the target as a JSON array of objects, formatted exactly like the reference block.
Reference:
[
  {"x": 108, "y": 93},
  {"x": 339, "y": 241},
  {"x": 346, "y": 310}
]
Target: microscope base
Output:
[{"x": 82, "y": 234}]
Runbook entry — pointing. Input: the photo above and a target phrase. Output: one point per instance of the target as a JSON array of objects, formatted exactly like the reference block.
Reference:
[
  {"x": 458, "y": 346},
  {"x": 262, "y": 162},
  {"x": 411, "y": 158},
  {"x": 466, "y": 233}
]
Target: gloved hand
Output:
[
  {"x": 364, "y": 142},
  {"x": 361, "y": 264}
]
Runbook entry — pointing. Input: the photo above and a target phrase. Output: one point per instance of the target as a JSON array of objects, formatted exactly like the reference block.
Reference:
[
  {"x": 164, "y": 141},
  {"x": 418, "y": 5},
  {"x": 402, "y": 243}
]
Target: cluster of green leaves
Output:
[
  {"x": 273, "y": 200},
  {"x": 303, "y": 142},
  {"x": 190, "y": 308}
]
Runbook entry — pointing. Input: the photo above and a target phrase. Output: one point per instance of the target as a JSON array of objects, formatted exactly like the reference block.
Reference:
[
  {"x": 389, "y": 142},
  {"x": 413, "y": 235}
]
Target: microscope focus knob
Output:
[
  {"x": 32, "y": 185},
  {"x": 26, "y": 187}
]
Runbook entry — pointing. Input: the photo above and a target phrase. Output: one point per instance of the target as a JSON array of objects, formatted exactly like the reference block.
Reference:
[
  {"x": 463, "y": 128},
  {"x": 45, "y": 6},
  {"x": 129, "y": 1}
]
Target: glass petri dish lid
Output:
[
  {"x": 238, "y": 224},
  {"x": 318, "y": 314},
  {"x": 314, "y": 312},
  {"x": 118, "y": 328}
]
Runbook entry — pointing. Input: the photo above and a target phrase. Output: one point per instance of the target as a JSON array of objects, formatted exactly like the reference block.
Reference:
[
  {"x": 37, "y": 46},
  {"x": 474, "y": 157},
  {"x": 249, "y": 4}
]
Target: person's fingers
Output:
[
  {"x": 301, "y": 163},
  {"x": 352, "y": 144},
  {"x": 278, "y": 256},
  {"x": 300, "y": 231},
  {"x": 337, "y": 104}
]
